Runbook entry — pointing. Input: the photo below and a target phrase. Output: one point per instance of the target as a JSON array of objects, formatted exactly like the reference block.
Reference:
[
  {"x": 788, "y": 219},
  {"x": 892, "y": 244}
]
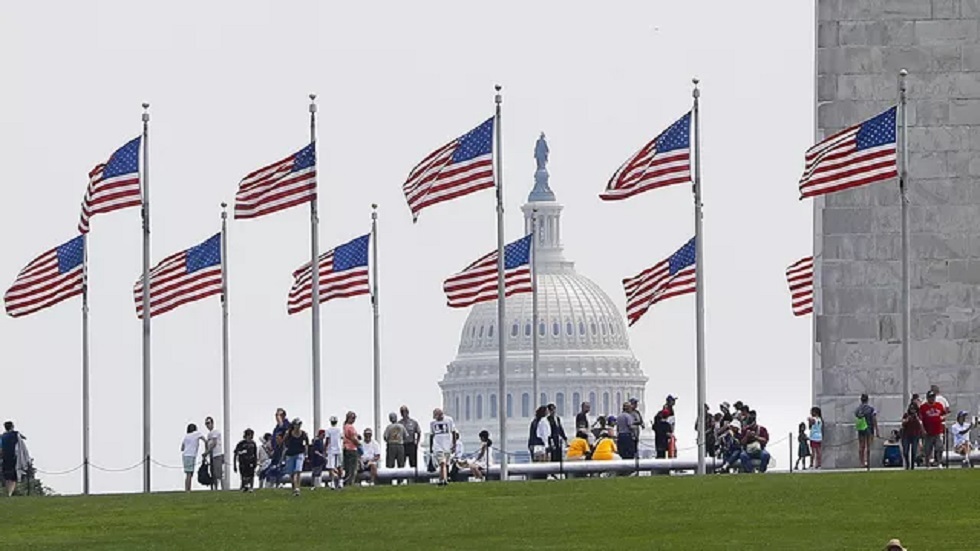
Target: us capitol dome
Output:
[{"x": 583, "y": 346}]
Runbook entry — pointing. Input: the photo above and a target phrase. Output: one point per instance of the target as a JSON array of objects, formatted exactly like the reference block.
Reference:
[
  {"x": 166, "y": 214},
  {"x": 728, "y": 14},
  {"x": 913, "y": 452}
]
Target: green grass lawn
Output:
[{"x": 927, "y": 510}]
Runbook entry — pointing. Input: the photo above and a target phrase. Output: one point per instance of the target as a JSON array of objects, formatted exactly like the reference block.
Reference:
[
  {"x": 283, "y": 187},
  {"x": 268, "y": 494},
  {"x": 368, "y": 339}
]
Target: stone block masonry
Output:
[{"x": 861, "y": 46}]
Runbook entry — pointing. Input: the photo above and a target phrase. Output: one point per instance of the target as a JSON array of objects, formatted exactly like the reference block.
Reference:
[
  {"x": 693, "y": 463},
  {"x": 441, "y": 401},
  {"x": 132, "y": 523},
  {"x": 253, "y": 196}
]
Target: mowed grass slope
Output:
[{"x": 927, "y": 510}]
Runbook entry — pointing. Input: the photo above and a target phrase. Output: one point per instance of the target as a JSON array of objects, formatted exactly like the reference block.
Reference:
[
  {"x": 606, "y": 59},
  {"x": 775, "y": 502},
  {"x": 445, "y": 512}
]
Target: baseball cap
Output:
[
  {"x": 321, "y": 432},
  {"x": 737, "y": 424},
  {"x": 725, "y": 405},
  {"x": 333, "y": 418},
  {"x": 671, "y": 398},
  {"x": 894, "y": 544},
  {"x": 297, "y": 421},
  {"x": 634, "y": 401}
]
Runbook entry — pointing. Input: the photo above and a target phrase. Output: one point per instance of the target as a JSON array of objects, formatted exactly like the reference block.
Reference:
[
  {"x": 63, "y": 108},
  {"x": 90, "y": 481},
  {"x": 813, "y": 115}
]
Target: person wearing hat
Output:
[
  {"x": 961, "y": 437},
  {"x": 730, "y": 445},
  {"x": 894, "y": 544},
  {"x": 933, "y": 415},
  {"x": 296, "y": 444}
]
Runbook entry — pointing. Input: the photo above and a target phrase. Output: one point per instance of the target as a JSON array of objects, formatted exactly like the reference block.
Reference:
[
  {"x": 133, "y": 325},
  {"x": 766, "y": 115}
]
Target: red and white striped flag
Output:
[
  {"x": 478, "y": 281},
  {"x": 800, "y": 278},
  {"x": 184, "y": 277},
  {"x": 858, "y": 156},
  {"x": 671, "y": 277},
  {"x": 113, "y": 185},
  {"x": 343, "y": 273},
  {"x": 460, "y": 167},
  {"x": 664, "y": 161},
  {"x": 279, "y": 186},
  {"x": 56, "y": 275}
]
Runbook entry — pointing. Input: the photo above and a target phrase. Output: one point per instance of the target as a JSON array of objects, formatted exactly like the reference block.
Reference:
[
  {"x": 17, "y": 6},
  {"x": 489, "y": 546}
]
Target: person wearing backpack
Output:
[{"x": 866, "y": 423}]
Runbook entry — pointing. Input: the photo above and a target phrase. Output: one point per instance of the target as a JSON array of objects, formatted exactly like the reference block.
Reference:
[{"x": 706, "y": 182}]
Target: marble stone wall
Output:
[{"x": 861, "y": 46}]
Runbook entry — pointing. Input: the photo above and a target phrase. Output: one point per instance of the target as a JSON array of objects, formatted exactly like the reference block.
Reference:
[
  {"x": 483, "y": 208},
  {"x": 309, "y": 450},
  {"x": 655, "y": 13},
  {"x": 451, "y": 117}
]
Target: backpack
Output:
[
  {"x": 862, "y": 420},
  {"x": 204, "y": 473}
]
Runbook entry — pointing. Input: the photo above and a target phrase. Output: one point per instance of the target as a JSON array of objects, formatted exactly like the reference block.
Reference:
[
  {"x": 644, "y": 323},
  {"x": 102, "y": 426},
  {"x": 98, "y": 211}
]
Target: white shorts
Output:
[
  {"x": 334, "y": 461},
  {"x": 441, "y": 456}
]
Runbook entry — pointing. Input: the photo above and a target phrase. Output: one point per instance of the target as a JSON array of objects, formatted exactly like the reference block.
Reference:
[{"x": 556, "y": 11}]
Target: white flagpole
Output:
[
  {"x": 501, "y": 296},
  {"x": 85, "y": 371},
  {"x": 145, "y": 182},
  {"x": 699, "y": 278},
  {"x": 225, "y": 369},
  {"x": 534, "y": 306},
  {"x": 376, "y": 314},
  {"x": 903, "y": 184},
  {"x": 315, "y": 272}
]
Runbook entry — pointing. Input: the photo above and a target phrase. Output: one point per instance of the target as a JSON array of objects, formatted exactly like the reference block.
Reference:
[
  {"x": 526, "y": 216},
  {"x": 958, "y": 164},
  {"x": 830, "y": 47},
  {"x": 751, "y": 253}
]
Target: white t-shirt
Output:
[
  {"x": 544, "y": 431},
  {"x": 371, "y": 450},
  {"x": 958, "y": 438},
  {"x": 191, "y": 443},
  {"x": 336, "y": 439},
  {"x": 442, "y": 434},
  {"x": 214, "y": 439},
  {"x": 458, "y": 450}
]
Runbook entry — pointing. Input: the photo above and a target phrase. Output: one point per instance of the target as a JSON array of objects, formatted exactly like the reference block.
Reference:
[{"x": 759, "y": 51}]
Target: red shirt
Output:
[{"x": 932, "y": 418}]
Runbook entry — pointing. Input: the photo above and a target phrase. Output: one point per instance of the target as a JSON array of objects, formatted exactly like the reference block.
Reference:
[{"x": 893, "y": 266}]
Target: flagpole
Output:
[
  {"x": 225, "y": 370},
  {"x": 85, "y": 370},
  {"x": 903, "y": 185},
  {"x": 699, "y": 277},
  {"x": 315, "y": 272},
  {"x": 534, "y": 306},
  {"x": 501, "y": 296},
  {"x": 145, "y": 182},
  {"x": 377, "y": 330}
]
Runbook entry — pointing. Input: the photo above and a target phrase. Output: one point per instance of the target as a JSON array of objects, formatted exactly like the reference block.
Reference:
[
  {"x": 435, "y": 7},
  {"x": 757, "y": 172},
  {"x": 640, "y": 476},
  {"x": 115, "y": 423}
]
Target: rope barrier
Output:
[
  {"x": 108, "y": 470},
  {"x": 59, "y": 473},
  {"x": 158, "y": 464}
]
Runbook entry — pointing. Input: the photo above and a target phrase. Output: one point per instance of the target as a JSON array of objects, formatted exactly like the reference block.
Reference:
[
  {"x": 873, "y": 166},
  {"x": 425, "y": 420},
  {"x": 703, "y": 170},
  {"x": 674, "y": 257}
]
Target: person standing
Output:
[
  {"x": 661, "y": 435},
  {"x": 296, "y": 445},
  {"x": 671, "y": 419},
  {"x": 866, "y": 423},
  {"x": 216, "y": 451},
  {"x": 352, "y": 442},
  {"x": 265, "y": 452},
  {"x": 395, "y": 437},
  {"x": 414, "y": 437},
  {"x": 318, "y": 458},
  {"x": 14, "y": 452},
  {"x": 335, "y": 464},
  {"x": 188, "y": 448},
  {"x": 911, "y": 433},
  {"x": 933, "y": 416},
  {"x": 441, "y": 442},
  {"x": 638, "y": 422},
  {"x": 557, "y": 437},
  {"x": 625, "y": 440},
  {"x": 539, "y": 436},
  {"x": 246, "y": 459},
  {"x": 582, "y": 418}
]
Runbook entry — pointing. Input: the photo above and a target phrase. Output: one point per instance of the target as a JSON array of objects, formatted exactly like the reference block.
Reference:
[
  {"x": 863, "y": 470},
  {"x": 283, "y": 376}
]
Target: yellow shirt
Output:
[
  {"x": 577, "y": 448},
  {"x": 604, "y": 449}
]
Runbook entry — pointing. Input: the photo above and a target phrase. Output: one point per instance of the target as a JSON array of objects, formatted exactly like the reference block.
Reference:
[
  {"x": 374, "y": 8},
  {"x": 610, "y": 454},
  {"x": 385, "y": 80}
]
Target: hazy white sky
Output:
[{"x": 227, "y": 82}]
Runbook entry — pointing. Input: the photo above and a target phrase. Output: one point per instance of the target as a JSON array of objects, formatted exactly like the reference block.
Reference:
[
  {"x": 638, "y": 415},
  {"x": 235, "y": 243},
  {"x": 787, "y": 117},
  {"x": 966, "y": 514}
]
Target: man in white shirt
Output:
[
  {"x": 370, "y": 455},
  {"x": 441, "y": 442},
  {"x": 939, "y": 397},
  {"x": 216, "y": 450},
  {"x": 335, "y": 460}
]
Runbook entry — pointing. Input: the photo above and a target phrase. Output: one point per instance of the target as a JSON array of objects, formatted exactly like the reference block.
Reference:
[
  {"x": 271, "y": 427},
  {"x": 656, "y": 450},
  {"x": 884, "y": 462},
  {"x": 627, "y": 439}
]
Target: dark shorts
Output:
[{"x": 866, "y": 433}]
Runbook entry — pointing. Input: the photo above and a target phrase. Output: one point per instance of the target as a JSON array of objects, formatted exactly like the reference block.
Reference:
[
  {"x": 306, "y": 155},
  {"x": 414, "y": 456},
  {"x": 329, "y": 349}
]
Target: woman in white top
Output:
[
  {"x": 189, "y": 447},
  {"x": 961, "y": 437}
]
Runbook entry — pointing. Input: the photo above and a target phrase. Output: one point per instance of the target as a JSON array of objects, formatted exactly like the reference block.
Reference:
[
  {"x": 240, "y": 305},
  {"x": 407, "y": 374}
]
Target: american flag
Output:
[
  {"x": 113, "y": 185},
  {"x": 460, "y": 167},
  {"x": 343, "y": 273},
  {"x": 284, "y": 184},
  {"x": 860, "y": 155},
  {"x": 665, "y": 161},
  {"x": 800, "y": 278},
  {"x": 56, "y": 275},
  {"x": 181, "y": 278},
  {"x": 478, "y": 281},
  {"x": 668, "y": 278}
]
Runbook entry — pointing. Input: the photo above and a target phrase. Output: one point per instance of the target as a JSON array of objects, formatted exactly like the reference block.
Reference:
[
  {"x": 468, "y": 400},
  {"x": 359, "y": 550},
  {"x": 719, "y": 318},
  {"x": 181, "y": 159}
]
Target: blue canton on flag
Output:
[
  {"x": 52, "y": 277},
  {"x": 478, "y": 281},
  {"x": 184, "y": 277},
  {"x": 343, "y": 274},
  {"x": 664, "y": 161},
  {"x": 667, "y": 278}
]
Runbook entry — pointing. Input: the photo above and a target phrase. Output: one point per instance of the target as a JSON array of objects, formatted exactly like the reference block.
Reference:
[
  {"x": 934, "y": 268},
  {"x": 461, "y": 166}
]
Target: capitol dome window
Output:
[
  {"x": 569, "y": 329},
  {"x": 490, "y": 331},
  {"x": 593, "y": 327},
  {"x": 544, "y": 399},
  {"x": 541, "y": 329},
  {"x": 556, "y": 329},
  {"x": 510, "y": 406},
  {"x": 605, "y": 403},
  {"x": 612, "y": 328},
  {"x": 525, "y": 405},
  {"x": 515, "y": 329},
  {"x": 619, "y": 398},
  {"x": 603, "y": 328},
  {"x": 493, "y": 406},
  {"x": 581, "y": 328},
  {"x": 456, "y": 408},
  {"x": 576, "y": 400},
  {"x": 560, "y": 403},
  {"x": 527, "y": 329},
  {"x": 467, "y": 408},
  {"x": 479, "y": 406},
  {"x": 481, "y": 331},
  {"x": 592, "y": 401}
]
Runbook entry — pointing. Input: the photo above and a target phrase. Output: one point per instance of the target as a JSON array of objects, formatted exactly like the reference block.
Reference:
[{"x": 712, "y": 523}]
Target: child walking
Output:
[
  {"x": 804, "y": 447},
  {"x": 246, "y": 459}
]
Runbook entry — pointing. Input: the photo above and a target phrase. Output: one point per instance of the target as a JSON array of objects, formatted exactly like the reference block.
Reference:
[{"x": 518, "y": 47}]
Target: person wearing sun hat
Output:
[{"x": 894, "y": 544}]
